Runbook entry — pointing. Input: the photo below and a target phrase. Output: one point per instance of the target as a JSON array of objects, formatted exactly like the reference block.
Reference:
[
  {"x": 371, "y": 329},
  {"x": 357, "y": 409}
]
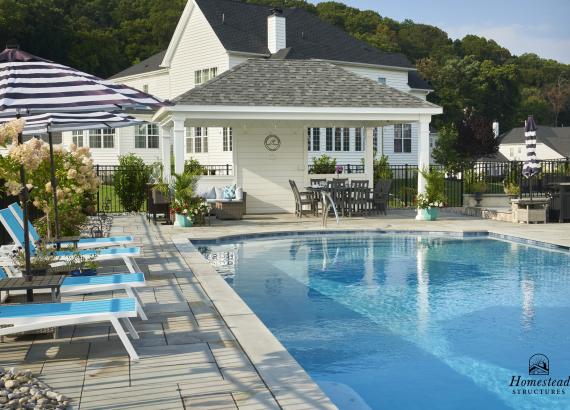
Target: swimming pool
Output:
[{"x": 411, "y": 321}]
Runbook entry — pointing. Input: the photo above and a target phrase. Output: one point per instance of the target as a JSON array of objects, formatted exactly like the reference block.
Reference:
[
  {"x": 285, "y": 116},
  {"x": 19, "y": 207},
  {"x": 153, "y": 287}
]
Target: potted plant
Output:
[
  {"x": 82, "y": 265},
  {"x": 323, "y": 165},
  {"x": 512, "y": 189},
  {"x": 433, "y": 198},
  {"x": 182, "y": 214},
  {"x": 199, "y": 210},
  {"x": 478, "y": 188},
  {"x": 40, "y": 261}
]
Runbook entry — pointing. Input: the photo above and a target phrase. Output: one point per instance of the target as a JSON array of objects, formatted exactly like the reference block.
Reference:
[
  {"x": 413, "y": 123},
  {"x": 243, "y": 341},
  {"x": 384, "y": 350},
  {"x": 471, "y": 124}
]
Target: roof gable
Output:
[
  {"x": 297, "y": 83},
  {"x": 153, "y": 63},
  {"x": 242, "y": 27}
]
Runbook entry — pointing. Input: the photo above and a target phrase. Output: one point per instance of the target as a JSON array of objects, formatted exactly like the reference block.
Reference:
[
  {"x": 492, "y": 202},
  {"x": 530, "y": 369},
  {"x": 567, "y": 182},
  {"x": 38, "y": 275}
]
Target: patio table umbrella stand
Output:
[
  {"x": 33, "y": 85},
  {"x": 531, "y": 166}
]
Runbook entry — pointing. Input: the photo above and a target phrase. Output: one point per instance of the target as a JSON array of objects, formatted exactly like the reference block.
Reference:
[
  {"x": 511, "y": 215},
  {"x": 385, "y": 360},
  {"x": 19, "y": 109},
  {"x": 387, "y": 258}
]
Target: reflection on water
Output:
[{"x": 406, "y": 320}]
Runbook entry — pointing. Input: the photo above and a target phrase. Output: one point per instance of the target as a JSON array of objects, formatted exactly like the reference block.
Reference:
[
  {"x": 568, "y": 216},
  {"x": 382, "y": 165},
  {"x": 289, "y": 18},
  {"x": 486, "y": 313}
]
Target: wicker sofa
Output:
[{"x": 227, "y": 208}]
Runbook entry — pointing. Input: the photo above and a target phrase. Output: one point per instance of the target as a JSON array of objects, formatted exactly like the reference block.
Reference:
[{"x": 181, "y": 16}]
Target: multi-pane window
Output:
[
  {"x": 358, "y": 139},
  {"x": 403, "y": 138},
  {"x": 382, "y": 80},
  {"x": 197, "y": 140},
  {"x": 314, "y": 139},
  {"x": 77, "y": 138},
  {"x": 228, "y": 139},
  {"x": 146, "y": 136},
  {"x": 102, "y": 138},
  {"x": 346, "y": 139},
  {"x": 338, "y": 139},
  {"x": 201, "y": 76},
  {"x": 329, "y": 139}
]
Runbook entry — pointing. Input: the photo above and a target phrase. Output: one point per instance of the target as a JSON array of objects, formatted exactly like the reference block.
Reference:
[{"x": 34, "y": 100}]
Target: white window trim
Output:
[
  {"x": 404, "y": 128},
  {"x": 146, "y": 135},
  {"x": 227, "y": 139}
]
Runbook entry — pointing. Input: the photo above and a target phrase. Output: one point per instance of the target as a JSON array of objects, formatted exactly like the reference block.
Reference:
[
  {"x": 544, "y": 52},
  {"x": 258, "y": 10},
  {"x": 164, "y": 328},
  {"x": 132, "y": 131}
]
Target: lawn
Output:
[{"x": 109, "y": 201}]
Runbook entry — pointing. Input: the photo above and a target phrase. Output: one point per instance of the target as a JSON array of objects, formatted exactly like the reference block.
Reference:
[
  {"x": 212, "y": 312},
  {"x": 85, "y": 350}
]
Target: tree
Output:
[
  {"x": 460, "y": 144},
  {"x": 558, "y": 96}
]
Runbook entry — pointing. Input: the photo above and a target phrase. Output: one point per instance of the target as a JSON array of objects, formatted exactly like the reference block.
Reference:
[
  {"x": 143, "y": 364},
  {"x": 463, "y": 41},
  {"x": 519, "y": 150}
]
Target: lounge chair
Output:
[
  {"x": 78, "y": 285},
  {"x": 16, "y": 232},
  {"x": 23, "y": 318},
  {"x": 82, "y": 243}
]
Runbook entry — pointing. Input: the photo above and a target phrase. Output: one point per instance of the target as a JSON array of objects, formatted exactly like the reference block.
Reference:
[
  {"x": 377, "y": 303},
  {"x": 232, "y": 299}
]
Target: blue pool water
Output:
[{"x": 409, "y": 321}]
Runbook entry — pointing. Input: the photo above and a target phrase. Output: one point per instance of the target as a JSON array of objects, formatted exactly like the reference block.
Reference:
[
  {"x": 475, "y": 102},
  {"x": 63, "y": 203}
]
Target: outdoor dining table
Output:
[
  {"x": 346, "y": 193},
  {"x": 51, "y": 282}
]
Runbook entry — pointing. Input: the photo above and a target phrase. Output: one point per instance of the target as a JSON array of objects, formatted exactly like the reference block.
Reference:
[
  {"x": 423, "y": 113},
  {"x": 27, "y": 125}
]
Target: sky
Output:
[{"x": 523, "y": 26}]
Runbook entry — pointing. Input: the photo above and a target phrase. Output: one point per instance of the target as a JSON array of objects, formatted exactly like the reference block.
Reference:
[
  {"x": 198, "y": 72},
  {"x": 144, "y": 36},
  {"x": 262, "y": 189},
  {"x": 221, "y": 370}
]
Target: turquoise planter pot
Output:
[
  {"x": 430, "y": 214},
  {"x": 183, "y": 221}
]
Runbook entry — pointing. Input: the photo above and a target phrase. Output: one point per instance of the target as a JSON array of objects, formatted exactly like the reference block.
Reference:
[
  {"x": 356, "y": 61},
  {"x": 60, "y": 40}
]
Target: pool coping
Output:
[{"x": 290, "y": 384}]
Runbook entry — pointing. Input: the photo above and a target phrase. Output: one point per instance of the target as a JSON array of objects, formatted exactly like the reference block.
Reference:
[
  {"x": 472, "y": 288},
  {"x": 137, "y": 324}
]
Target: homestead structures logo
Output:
[
  {"x": 538, "y": 365},
  {"x": 538, "y": 384}
]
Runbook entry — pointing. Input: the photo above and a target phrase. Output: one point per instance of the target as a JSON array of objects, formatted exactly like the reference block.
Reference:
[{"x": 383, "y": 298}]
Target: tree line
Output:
[{"x": 105, "y": 36}]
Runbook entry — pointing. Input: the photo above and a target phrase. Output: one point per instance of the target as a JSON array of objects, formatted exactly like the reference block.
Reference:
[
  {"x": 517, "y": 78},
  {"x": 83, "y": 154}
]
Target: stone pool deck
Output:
[{"x": 202, "y": 347}]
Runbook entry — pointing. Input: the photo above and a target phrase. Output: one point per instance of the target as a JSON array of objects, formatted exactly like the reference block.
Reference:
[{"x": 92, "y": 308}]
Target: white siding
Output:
[
  {"x": 236, "y": 59},
  {"x": 394, "y": 78},
  {"x": 216, "y": 155},
  {"x": 351, "y": 157},
  {"x": 158, "y": 83},
  {"x": 265, "y": 175},
  {"x": 199, "y": 48},
  {"x": 517, "y": 152}
]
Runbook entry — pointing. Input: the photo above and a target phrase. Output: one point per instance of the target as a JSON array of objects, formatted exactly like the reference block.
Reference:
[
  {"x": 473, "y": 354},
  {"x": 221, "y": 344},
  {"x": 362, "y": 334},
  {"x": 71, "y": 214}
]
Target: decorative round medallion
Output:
[{"x": 272, "y": 143}]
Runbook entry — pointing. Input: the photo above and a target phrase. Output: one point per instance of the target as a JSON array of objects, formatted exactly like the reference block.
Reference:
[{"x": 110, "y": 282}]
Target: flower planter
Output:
[
  {"x": 430, "y": 214},
  {"x": 183, "y": 221}
]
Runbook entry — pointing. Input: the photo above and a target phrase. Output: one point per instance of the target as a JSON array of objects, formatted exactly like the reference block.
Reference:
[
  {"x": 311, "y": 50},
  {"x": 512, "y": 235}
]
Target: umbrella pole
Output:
[
  {"x": 24, "y": 194},
  {"x": 530, "y": 187},
  {"x": 53, "y": 184}
]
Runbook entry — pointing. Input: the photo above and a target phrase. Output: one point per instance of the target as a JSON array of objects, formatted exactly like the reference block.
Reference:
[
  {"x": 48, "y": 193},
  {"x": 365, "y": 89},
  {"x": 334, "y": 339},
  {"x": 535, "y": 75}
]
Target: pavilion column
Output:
[
  {"x": 165, "y": 145},
  {"x": 178, "y": 135},
  {"x": 423, "y": 153},
  {"x": 369, "y": 155}
]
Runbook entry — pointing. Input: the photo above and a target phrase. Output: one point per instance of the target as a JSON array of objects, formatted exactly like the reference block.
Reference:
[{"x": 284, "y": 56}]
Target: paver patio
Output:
[{"x": 197, "y": 349}]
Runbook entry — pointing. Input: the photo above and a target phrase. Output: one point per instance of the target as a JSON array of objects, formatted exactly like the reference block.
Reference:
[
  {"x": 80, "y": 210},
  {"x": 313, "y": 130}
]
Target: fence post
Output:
[
  {"x": 406, "y": 188},
  {"x": 228, "y": 169},
  {"x": 97, "y": 173},
  {"x": 461, "y": 188}
]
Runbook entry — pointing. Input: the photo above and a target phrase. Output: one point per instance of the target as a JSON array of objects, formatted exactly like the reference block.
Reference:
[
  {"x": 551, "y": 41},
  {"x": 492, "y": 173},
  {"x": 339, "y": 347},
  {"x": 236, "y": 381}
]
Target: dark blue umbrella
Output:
[{"x": 531, "y": 166}]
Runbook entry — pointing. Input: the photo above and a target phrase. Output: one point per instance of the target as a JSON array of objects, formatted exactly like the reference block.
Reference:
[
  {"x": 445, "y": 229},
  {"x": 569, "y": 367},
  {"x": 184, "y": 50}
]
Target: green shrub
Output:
[
  {"x": 323, "y": 165},
  {"x": 382, "y": 168},
  {"x": 130, "y": 182},
  {"x": 193, "y": 167}
]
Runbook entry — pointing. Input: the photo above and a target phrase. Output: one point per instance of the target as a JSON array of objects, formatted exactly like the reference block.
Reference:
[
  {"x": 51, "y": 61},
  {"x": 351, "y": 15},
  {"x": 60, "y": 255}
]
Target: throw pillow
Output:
[
  {"x": 211, "y": 194},
  {"x": 219, "y": 193},
  {"x": 239, "y": 194},
  {"x": 229, "y": 192}
]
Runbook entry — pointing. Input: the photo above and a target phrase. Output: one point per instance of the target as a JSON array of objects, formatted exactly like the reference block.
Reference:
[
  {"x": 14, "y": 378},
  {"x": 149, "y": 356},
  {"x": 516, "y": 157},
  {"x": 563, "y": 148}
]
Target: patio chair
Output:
[
  {"x": 359, "y": 200},
  {"x": 16, "y": 232},
  {"x": 83, "y": 243},
  {"x": 382, "y": 195},
  {"x": 79, "y": 285},
  {"x": 26, "y": 317},
  {"x": 302, "y": 199},
  {"x": 340, "y": 194}
]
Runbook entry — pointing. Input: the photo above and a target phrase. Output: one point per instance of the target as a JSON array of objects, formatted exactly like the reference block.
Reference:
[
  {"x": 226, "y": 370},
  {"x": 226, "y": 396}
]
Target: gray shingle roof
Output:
[
  {"x": 557, "y": 138},
  {"x": 146, "y": 66},
  {"x": 416, "y": 81},
  {"x": 297, "y": 83},
  {"x": 244, "y": 28}
]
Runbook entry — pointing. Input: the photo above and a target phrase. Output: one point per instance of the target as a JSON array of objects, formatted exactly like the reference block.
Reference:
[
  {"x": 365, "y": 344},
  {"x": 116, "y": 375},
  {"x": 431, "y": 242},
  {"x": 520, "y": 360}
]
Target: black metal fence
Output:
[
  {"x": 220, "y": 170},
  {"x": 405, "y": 186},
  {"x": 495, "y": 175}
]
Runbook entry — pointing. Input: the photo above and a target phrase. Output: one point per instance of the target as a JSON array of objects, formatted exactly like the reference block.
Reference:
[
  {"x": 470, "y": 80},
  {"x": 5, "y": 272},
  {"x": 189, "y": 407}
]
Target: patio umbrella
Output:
[
  {"x": 531, "y": 166},
  {"x": 32, "y": 85},
  {"x": 58, "y": 122}
]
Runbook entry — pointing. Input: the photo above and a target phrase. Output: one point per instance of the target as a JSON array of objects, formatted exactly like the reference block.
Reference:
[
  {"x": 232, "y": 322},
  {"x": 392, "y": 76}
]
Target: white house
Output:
[
  {"x": 214, "y": 36},
  {"x": 551, "y": 143}
]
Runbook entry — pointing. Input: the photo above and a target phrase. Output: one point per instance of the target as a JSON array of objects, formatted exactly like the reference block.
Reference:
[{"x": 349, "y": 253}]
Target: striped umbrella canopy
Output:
[
  {"x": 531, "y": 166},
  {"x": 32, "y": 85},
  {"x": 59, "y": 122}
]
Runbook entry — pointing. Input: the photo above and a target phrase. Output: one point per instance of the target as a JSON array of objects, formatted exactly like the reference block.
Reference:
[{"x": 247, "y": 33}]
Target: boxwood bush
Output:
[{"x": 131, "y": 178}]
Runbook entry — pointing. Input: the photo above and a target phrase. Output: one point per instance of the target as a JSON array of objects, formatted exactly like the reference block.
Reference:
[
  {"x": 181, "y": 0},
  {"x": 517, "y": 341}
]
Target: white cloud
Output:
[{"x": 520, "y": 39}]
